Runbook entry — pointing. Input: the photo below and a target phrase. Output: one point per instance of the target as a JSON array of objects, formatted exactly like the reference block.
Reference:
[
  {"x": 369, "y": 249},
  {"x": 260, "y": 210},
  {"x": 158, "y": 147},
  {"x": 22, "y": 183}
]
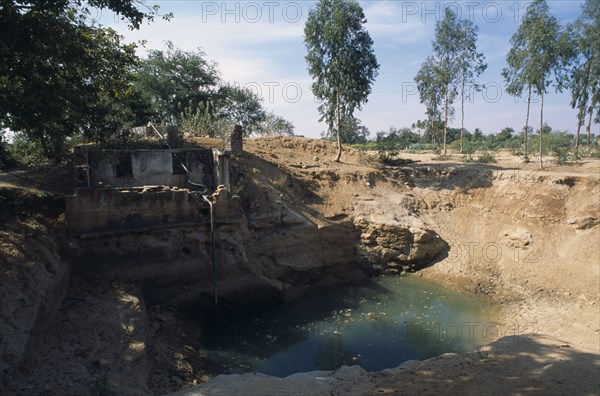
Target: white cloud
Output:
[{"x": 384, "y": 21}]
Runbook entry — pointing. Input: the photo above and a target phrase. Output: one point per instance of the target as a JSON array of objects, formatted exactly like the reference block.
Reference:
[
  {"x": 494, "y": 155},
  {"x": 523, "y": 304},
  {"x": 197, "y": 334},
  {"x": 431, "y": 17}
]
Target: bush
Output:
[
  {"x": 591, "y": 152},
  {"x": 562, "y": 155},
  {"x": 486, "y": 158},
  {"x": 26, "y": 152},
  {"x": 7, "y": 160},
  {"x": 390, "y": 159}
]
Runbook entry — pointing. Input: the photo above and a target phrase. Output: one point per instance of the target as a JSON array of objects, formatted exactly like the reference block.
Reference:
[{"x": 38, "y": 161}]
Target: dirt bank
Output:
[{"x": 526, "y": 238}]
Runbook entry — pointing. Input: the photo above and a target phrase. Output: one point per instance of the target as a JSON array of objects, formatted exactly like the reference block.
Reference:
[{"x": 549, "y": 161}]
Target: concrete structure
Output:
[
  {"x": 137, "y": 190},
  {"x": 234, "y": 141},
  {"x": 134, "y": 168}
]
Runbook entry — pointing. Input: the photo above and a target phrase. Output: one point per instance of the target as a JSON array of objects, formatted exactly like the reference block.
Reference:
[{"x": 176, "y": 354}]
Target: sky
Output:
[{"x": 259, "y": 45}]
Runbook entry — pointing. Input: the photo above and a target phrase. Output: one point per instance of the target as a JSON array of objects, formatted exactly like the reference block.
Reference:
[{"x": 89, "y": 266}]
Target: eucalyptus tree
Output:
[
  {"x": 535, "y": 54},
  {"x": 584, "y": 81},
  {"x": 340, "y": 60},
  {"x": 471, "y": 64},
  {"x": 447, "y": 49},
  {"x": 430, "y": 94}
]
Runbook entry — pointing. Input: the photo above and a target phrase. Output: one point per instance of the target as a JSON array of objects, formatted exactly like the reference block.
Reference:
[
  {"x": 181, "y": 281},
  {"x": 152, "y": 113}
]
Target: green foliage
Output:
[
  {"x": 185, "y": 90},
  {"x": 340, "y": 60},
  {"x": 584, "y": 73},
  {"x": 276, "y": 126},
  {"x": 197, "y": 121},
  {"x": 592, "y": 152},
  {"x": 560, "y": 145},
  {"x": 60, "y": 75},
  {"x": 7, "y": 159},
  {"x": 430, "y": 94},
  {"x": 470, "y": 66},
  {"x": 485, "y": 158},
  {"x": 448, "y": 50},
  {"x": 241, "y": 106},
  {"x": 175, "y": 80},
  {"x": 468, "y": 147},
  {"x": 535, "y": 51},
  {"x": 25, "y": 151},
  {"x": 352, "y": 132},
  {"x": 396, "y": 139},
  {"x": 538, "y": 51},
  {"x": 453, "y": 68}
]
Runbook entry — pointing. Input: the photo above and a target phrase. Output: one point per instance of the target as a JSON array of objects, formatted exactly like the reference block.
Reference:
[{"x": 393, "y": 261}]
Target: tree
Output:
[
  {"x": 352, "y": 132},
  {"x": 173, "y": 80},
  {"x": 61, "y": 75},
  {"x": 396, "y": 139},
  {"x": 340, "y": 60},
  {"x": 430, "y": 95},
  {"x": 241, "y": 106},
  {"x": 470, "y": 66},
  {"x": 447, "y": 49},
  {"x": 535, "y": 53},
  {"x": 275, "y": 125},
  {"x": 584, "y": 81},
  {"x": 505, "y": 134},
  {"x": 75, "y": 80}
]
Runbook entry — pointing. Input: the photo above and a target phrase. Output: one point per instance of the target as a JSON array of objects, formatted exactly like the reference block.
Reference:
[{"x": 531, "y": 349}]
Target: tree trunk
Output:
[
  {"x": 541, "y": 131},
  {"x": 527, "y": 124},
  {"x": 588, "y": 128},
  {"x": 433, "y": 136},
  {"x": 445, "y": 119},
  {"x": 580, "y": 119},
  {"x": 462, "y": 115},
  {"x": 338, "y": 117}
]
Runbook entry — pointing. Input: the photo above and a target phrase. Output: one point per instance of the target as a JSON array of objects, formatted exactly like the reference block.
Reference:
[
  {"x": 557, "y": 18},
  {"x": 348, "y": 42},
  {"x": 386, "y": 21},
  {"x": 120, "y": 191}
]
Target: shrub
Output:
[{"x": 486, "y": 158}]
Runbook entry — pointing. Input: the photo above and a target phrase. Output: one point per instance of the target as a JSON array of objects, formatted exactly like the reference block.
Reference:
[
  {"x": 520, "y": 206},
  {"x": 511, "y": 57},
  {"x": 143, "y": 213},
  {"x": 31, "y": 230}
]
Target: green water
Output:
[{"x": 378, "y": 324}]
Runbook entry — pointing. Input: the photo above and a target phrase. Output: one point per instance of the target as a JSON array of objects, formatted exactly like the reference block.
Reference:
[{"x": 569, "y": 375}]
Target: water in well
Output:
[{"x": 378, "y": 324}]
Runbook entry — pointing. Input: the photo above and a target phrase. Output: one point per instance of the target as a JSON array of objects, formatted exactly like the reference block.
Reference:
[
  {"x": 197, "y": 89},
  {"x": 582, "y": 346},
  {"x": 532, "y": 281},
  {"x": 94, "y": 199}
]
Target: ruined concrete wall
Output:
[
  {"x": 154, "y": 168},
  {"x": 111, "y": 210},
  {"x": 131, "y": 168},
  {"x": 174, "y": 263}
]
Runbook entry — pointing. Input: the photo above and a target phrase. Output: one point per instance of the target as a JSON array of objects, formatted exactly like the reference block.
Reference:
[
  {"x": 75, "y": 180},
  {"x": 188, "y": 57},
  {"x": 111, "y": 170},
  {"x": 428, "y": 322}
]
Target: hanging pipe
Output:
[{"x": 213, "y": 247}]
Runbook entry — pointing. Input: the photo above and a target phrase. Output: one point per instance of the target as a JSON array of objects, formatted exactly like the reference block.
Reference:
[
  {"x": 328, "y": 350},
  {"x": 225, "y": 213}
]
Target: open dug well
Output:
[{"x": 328, "y": 277}]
